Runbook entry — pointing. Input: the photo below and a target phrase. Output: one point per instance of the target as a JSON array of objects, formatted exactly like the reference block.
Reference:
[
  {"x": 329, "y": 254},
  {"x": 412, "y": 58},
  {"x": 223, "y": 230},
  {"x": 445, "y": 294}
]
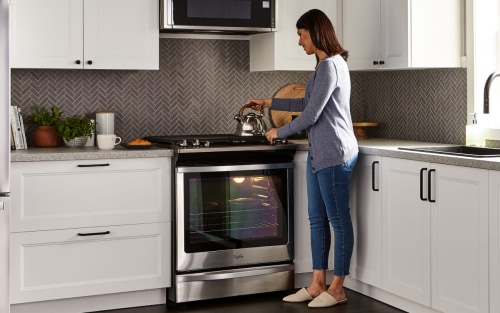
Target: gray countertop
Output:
[
  {"x": 389, "y": 148},
  {"x": 86, "y": 153},
  {"x": 373, "y": 146}
]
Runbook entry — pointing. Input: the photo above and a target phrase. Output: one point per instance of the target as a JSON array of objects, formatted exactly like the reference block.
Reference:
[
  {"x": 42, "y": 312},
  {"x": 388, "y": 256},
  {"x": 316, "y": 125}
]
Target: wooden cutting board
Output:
[{"x": 280, "y": 118}]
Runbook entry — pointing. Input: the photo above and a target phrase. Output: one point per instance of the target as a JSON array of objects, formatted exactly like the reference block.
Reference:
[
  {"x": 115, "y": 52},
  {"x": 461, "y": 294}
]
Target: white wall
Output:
[{"x": 483, "y": 58}]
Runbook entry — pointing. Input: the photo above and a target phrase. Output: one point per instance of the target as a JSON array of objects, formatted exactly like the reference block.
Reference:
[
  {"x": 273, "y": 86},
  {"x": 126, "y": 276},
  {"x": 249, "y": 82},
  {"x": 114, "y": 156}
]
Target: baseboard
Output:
[{"x": 94, "y": 303}]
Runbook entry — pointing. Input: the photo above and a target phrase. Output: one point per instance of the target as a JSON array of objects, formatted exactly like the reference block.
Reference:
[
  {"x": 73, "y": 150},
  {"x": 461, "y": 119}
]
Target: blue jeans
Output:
[{"x": 328, "y": 203}]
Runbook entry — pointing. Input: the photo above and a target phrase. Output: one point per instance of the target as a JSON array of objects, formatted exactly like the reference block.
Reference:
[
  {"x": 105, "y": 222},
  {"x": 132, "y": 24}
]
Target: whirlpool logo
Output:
[{"x": 237, "y": 257}]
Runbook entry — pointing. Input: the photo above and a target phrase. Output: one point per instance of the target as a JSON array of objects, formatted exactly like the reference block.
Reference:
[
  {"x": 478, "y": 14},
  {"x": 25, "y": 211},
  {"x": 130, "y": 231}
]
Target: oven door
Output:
[{"x": 231, "y": 216}]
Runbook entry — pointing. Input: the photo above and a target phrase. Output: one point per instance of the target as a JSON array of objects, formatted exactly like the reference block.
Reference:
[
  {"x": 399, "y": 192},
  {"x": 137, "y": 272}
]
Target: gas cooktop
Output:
[
  {"x": 194, "y": 141},
  {"x": 216, "y": 142}
]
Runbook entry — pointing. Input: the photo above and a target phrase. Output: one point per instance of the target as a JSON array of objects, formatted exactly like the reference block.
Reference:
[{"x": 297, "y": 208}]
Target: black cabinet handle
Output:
[
  {"x": 422, "y": 184},
  {"x": 93, "y": 165},
  {"x": 78, "y": 62},
  {"x": 95, "y": 234},
  {"x": 382, "y": 62},
  {"x": 89, "y": 62},
  {"x": 373, "y": 175},
  {"x": 375, "y": 62},
  {"x": 429, "y": 185}
]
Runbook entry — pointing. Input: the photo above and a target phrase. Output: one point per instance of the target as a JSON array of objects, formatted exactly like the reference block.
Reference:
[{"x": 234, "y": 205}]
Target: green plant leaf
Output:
[{"x": 75, "y": 126}]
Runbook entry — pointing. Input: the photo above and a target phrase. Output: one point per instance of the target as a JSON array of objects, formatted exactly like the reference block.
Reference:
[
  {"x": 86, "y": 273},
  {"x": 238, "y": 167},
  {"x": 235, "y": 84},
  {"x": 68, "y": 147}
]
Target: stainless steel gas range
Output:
[{"x": 233, "y": 216}]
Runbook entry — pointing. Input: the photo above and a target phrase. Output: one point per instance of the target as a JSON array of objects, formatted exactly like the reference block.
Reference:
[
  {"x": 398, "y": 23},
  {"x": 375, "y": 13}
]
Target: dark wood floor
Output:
[{"x": 265, "y": 303}]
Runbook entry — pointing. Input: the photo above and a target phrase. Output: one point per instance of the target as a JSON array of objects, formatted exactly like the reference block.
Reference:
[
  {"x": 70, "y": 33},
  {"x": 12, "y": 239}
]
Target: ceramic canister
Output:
[{"x": 105, "y": 122}]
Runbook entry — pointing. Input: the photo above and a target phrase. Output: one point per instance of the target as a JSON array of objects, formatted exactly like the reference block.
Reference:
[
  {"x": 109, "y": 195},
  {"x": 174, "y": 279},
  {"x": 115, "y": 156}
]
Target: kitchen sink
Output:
[{"x": 467, "y": 151}]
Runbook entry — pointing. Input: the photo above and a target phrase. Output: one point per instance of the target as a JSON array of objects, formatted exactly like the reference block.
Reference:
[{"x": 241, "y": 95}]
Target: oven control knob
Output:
[
  {"x": 196, "y": 143},
  {"x": 183, "y": 143},
  {"x": 207, "y": 144}
]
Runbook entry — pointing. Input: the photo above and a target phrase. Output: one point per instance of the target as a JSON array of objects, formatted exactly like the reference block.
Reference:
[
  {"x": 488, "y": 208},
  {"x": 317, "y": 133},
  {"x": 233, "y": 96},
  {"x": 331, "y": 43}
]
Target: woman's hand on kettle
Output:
[
  {"x": 272, "y": 134},
  {"x": 259, "y": 104}
]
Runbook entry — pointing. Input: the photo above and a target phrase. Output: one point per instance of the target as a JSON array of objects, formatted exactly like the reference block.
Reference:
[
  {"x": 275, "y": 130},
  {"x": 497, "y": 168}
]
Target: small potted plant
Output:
[
  {"x": 75, "y": 130},
  {"x": 45, "y": 133}
]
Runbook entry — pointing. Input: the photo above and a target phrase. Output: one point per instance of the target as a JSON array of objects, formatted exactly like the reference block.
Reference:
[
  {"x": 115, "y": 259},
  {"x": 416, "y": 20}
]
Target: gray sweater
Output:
[{"x": 325, "y": 114}]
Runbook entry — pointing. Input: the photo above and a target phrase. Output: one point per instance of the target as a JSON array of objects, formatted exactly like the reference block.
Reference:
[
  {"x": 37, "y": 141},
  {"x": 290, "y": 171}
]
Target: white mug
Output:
[
  {"x": 108, "y": 141},
  {"x": 105, "y": 123}
]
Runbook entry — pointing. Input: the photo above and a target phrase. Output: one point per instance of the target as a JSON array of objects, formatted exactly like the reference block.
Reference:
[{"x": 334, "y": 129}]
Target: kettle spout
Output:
[{"x": 239, "y": 118}]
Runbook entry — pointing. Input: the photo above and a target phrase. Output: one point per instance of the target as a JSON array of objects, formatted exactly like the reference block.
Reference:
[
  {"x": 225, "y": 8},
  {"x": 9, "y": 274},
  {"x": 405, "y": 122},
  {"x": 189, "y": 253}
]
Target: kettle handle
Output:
[{"x": 248, "y": 105}]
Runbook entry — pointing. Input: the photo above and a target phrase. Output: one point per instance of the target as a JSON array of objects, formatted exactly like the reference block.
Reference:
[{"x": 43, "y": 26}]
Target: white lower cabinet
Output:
[
  {"x": 459, "y": 236},
  {"x": 82, "y": 193},
  {"x": 57, "y": 264},
  {"x": 433, "y": 232},
  {"x": 494, "y": 241},
  {"x": 406, "y": 242},
  {"x": 366, "y": 214},
  {"x": 89, "y": 227}
]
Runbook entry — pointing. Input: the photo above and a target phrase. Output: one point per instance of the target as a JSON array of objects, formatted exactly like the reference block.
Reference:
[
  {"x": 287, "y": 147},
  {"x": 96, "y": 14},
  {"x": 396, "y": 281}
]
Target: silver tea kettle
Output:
[{"x": 251, "y": 124}]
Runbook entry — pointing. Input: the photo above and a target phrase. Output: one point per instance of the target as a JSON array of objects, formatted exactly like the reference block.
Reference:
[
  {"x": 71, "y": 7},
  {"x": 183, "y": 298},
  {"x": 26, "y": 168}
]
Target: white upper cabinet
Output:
[
  {"x": 85, "y": 34},
  {"x": 398, "y": 34},
  {"x": 280, "y": 50}
]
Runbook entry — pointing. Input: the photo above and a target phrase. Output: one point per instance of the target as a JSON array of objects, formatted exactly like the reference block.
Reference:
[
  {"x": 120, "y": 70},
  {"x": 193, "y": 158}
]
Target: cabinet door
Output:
[
  {"x": 361, "y": 29},
  {"x": 366, "y": 212},
  {"x": 88, "y": 193},
  {"x": 459, "y": 247},
  {"x": 405, "y": 230},
  {"x": 57, "y": 264},
  {"x": 121, "y": 34},
  {"x": 46, "y": 34},
  {"x": 394, "y": 33},
  {"x": 280, "y": 50},
  {"x": 494, "y": 249}
]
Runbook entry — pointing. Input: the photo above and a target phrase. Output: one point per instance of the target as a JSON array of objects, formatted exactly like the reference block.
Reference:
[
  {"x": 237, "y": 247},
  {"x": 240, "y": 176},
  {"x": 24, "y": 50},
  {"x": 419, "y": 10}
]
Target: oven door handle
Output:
[
  {"x": 230, "y": 168},
  {"x": 233, "y": 273}
]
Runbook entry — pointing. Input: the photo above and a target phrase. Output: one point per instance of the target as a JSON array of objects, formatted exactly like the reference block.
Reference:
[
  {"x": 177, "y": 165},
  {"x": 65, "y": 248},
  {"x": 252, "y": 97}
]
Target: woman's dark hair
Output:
[{"x": 322, "y": 32}]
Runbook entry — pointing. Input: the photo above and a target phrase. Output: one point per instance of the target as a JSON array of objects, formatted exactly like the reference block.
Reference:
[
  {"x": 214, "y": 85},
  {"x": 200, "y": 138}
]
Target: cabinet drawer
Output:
[
  {"x": 88, "y": 193},
  {"x": 47, "y": 265}
]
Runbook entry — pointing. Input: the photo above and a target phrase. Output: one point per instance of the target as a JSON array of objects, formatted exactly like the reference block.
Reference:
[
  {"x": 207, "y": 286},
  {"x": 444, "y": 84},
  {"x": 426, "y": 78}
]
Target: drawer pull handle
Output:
[
  {"x": 422, "y": 170},
  {"x": 95, "y": 234},
  {"x": 93, "y": 165},
  {"x": 429, "y": 185},
  {"x": 374, "y": 178}
]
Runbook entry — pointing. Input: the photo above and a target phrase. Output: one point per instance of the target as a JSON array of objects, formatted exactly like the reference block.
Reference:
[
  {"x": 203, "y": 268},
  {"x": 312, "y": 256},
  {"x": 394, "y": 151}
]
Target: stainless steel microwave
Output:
[{"x": 220, "y": 16}]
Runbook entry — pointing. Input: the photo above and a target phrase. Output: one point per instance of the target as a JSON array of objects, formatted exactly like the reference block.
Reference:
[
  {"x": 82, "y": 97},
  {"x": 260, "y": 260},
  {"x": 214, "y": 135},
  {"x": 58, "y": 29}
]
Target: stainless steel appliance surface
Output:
[
  {"x": 4, "y": 155},
  {"x": 220, "y": 16},
  {"x": 233, "y": 204}
]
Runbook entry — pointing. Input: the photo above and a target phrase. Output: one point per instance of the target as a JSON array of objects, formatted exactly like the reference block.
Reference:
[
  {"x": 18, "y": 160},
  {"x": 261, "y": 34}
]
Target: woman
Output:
[{"x": 333, "y": 152}]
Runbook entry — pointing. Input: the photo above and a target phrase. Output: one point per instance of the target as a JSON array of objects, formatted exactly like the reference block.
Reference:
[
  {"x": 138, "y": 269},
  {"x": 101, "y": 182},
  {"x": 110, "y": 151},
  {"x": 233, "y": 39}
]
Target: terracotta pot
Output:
[{"x": 46, "y": 136}]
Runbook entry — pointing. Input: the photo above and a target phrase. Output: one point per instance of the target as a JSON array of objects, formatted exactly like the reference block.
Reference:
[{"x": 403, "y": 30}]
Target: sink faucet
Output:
[{"x": 487, "y": 86}]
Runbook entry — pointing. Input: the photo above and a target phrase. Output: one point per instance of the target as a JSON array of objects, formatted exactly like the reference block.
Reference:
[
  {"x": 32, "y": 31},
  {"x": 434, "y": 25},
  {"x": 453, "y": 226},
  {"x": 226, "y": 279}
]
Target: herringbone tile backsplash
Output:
[{"x": 202, "y": 84}]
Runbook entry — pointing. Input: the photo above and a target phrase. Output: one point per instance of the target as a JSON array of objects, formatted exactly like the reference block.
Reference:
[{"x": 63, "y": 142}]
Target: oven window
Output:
[
  {"x": 239, "y": 9},
  {"x": 237, "y": 209},
  {"x": 226, "y": 13}
]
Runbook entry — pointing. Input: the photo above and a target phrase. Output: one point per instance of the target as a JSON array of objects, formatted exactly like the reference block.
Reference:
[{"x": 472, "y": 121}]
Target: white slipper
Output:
[
  {"x": 325, "y": 300},
  {"x": 300, "y": 296}
]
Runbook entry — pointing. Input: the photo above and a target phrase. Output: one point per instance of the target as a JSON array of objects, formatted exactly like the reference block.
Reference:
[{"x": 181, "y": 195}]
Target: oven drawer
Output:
[
  {"x": 48, "y": 265},
  {"x": 89, "y": 193},
  {"x": 232, "y": 282}
]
